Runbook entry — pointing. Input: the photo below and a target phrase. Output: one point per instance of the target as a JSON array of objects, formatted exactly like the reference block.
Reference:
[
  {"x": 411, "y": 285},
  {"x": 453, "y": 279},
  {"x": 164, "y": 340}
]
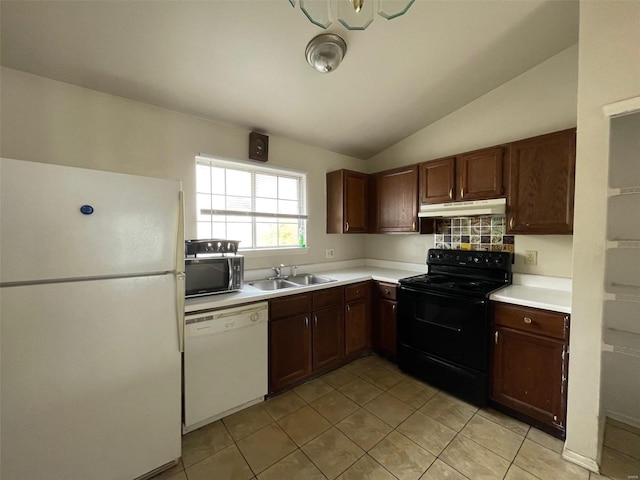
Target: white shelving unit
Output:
[{"x": 621, "y": 310}]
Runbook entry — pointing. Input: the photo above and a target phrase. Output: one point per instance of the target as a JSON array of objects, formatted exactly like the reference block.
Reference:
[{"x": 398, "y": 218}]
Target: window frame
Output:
[{"x": 302, "y": 218}]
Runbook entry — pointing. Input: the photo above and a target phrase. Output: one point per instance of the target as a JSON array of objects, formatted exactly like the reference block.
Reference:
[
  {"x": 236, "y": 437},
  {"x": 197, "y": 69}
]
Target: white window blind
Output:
[{"x": 262, "y": 207}]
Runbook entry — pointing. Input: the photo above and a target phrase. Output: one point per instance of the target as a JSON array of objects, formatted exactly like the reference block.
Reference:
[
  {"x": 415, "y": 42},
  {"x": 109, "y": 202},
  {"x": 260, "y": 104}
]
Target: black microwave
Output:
[{"x": 211, "y": 275}]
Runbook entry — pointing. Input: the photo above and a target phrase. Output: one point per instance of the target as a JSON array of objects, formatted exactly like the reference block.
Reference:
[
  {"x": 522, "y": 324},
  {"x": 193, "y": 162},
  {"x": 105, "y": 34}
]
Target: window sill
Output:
[{"x": 269, "y": 252}]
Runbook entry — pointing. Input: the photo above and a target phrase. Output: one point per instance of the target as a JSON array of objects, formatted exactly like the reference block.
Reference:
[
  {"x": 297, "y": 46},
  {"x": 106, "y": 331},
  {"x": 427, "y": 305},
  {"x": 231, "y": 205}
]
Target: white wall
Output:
[
  {"x": 541, "y": 100},
  {"x": 609, "y": 71},
  {"x": 47, "y": 121}
]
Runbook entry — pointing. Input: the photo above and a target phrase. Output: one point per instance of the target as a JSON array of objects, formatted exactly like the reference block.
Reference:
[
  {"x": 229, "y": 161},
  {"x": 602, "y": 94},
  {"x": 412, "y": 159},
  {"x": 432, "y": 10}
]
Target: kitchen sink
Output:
[
  {"x": 290, "y": 282},
  {"x": 273, "y": 284},
  {"x": 309, "y": 279}
]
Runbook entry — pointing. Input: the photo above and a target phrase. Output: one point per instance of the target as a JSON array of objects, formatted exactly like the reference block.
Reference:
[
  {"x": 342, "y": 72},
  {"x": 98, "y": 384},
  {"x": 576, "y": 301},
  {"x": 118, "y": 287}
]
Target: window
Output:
[{"x": 260, "y": 206}]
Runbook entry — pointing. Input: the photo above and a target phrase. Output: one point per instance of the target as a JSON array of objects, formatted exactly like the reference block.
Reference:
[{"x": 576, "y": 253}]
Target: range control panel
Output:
[{"x": 469, "y": 258}]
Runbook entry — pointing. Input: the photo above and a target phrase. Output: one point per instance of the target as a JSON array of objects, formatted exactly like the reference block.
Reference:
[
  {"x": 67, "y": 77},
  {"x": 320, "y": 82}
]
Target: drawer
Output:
[
  {"x": 356, "y": 291},
  {"x": 532, "y": 320},
  {"x": 387, "y": 290},
  {"x": 329, "y": 296},
  {"x": 289, "y": 306}
]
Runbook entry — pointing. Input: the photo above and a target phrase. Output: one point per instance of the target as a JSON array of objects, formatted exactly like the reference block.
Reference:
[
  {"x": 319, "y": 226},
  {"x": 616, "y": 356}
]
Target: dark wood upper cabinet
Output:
[
  {"x": 395, "y": 195},
  {"x": 347, "y": 202},
  {"x": 541, "y": 184},
  {"x": 471, "y": 176},
  {"x": 480, "y": 174},
  {"x": 437, "y": 181}
]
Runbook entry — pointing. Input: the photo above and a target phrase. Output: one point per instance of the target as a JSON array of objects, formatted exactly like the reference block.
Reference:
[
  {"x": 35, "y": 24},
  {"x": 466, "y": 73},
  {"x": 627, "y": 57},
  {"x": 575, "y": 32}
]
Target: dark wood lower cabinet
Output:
[
  {"x": 529, "y": 364},
  {"x": 328, "y": 337},
  {"x": 306, "y": 335},
  {"x": 357, "y": 319},
  {"x": 385, "y": 321},
  {"x": 289, "y": 351}
]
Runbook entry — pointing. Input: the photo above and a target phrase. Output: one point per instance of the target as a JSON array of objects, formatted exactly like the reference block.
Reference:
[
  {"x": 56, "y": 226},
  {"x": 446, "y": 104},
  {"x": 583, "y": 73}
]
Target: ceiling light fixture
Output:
[
  {"x": 325, "y": 52},
  {"x": 352, "y": 14}
]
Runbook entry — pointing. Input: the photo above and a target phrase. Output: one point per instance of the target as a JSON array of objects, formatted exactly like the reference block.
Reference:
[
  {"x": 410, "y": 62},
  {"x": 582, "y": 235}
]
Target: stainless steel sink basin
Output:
[
  {"x": 274, "y": 284},
  {"x": 309, "y": 279}
]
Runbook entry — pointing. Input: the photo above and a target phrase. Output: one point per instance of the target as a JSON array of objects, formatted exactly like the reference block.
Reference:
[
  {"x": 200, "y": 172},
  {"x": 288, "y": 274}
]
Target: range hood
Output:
[{"x": 495, "y": 206}]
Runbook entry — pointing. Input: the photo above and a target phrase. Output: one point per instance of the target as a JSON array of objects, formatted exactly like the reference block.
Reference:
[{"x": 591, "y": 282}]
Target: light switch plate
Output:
[{"x": 330, "y": 253}]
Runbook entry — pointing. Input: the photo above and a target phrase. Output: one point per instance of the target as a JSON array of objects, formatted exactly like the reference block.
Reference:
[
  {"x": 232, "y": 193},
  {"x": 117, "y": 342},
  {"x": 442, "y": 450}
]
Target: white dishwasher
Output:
[{"x": 225, "y": 362}]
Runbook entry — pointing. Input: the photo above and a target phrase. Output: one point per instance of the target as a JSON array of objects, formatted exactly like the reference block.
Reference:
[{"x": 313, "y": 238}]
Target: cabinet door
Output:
[
  {"x": 396, "y": 200},
  {"x": 357, "y": 327},
  {"x": 529, "y": 375},
  {"x": 387, "y": 326},
  {"x": 347, "y": 202},
  {"x": 328, "y": 337},
  {"x": 289, "y": 351},
  {"x": 480, "y": 174},
  {"x": 541, "y": 184},
  {"x": 437, "y": 181}
]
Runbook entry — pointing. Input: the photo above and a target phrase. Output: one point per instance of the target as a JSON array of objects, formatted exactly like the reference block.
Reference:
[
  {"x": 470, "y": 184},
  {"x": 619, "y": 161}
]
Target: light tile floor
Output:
[{"x": 368, "y": 420}]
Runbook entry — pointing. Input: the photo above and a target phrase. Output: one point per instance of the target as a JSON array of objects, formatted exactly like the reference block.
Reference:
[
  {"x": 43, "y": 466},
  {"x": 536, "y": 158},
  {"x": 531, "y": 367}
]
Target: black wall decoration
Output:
[{"x": 258, "y": 147}]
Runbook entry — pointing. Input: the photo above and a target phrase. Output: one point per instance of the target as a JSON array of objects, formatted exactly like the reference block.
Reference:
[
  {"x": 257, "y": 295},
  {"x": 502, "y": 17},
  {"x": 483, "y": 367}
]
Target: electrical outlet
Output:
[
  {"x": 531, "y": 257},
  {"x": 330, "y": 253}
]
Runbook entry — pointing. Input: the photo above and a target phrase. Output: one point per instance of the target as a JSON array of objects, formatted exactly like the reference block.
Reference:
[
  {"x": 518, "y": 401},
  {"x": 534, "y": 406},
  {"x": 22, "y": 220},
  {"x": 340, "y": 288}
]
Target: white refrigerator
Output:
[{"x": 91, "y": 334}]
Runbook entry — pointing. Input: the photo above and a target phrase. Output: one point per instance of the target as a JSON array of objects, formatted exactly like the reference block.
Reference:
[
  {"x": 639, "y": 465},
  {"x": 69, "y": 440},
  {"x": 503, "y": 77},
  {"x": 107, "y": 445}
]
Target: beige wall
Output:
[
  {"x": 539, "y": 101},
  {"x": 47, "y": 121},
  {"x": 609, "y": 71}
]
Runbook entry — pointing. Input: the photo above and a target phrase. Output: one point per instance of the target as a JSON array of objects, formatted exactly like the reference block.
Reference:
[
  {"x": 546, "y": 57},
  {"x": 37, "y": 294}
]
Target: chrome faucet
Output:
[{"x": 278, "y": 271}]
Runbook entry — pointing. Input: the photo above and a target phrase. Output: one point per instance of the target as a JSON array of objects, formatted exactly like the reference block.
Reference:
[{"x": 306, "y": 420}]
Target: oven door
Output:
[
  {"x": 453, "y": 328},
  {"x": 206, "y": 276}
]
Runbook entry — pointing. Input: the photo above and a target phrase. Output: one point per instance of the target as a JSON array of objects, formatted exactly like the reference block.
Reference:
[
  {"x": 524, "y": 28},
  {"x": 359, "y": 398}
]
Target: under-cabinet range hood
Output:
[{"x": 495, "y": 206}]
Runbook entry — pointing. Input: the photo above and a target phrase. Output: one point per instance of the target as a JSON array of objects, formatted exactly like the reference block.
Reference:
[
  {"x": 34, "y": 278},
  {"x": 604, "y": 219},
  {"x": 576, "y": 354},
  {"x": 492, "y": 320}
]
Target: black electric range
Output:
[{"x": 444, "y": 320}]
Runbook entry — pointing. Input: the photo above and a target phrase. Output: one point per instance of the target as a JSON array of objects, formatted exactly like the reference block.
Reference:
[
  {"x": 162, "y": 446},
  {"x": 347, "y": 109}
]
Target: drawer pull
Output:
[
  {"x": 306, "y": 322},
  {"x": 527, "y": 320},
  {"x": 347, "y": 226}
]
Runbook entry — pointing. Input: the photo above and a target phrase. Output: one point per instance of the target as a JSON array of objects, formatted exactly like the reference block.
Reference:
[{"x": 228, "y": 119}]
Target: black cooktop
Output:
[{"x": 468, "y": 273}]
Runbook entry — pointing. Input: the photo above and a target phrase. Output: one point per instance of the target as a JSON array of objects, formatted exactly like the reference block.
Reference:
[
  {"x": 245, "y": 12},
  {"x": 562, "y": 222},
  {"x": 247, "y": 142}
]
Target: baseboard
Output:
[
  {"x": 581, "y": 460},
  {"x": 620, "y": 417}
]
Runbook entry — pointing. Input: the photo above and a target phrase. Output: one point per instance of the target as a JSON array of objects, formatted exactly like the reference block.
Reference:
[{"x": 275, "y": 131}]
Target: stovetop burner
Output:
[{"x": 473, "y": 273}]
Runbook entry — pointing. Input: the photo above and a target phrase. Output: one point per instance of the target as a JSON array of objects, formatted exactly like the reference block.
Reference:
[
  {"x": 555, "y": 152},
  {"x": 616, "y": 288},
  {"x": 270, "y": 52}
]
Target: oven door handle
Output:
[
  {"x": 436, "y": 324},
  {"x": 473, "y": 301}
]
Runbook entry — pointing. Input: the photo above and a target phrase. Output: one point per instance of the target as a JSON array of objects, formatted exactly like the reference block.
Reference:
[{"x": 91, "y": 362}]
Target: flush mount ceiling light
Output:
[
  {"x": 352, "y": 14},
  {"x": 325, "y": 52}
]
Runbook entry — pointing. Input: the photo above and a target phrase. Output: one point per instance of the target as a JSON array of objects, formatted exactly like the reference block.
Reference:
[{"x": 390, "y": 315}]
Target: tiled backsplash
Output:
[{"x": 474, "y": 233}]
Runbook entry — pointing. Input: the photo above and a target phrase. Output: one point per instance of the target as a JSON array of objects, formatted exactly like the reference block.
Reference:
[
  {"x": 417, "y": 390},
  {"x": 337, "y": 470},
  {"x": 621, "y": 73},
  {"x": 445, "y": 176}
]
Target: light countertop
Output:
[
  {"x": 342, "y": 277},
  {"x": 547, "y": 293}
]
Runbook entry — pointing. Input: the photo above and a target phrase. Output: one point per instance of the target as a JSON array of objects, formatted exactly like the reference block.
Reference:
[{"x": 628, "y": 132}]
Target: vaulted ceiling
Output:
[{"x": 242, "y": 61}]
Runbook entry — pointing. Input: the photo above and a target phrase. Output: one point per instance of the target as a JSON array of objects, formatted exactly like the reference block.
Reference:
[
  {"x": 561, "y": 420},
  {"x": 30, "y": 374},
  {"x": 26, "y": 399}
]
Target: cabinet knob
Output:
[
  {"x": 348, "y": 308},
  {"x": 346, "y": 226},
  {"x": 306, "y": 322},
  {"x": 413, "y": 226},
  {"x": 527, "y": 320},
  {"x": 386, "y": 290},
  {"x": 315, "y": 320},
  {"x": 451, "y": 193},
  {"x": 462, "y": 192},
  {"x": 511, "y": 223},
  {"x": 393, "y": 307}
]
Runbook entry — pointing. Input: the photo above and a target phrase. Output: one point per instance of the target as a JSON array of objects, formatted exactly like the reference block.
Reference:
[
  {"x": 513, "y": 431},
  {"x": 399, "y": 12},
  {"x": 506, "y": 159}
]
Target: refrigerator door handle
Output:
[
  {"x": 180, "y": 278},
  {"x": 180, "y": 234}
]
